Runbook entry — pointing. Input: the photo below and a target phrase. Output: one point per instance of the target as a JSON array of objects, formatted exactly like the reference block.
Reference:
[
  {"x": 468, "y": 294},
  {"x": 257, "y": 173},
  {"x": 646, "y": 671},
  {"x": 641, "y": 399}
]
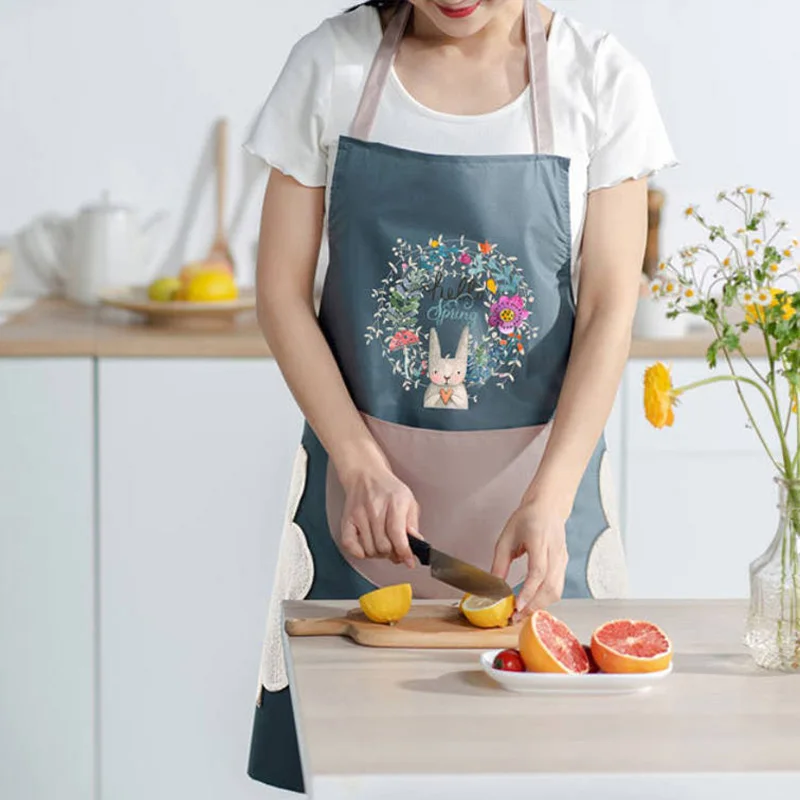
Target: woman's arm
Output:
[
  {"x": 613, "y": 251},
  {"x": 379, "y": 508}
]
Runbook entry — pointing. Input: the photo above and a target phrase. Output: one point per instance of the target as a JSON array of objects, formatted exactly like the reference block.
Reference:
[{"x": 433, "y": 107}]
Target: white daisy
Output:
[
  {"x": 671, "y": 287},
  {"x": 763, "y": 297},
  {"x": 747, "y": 296},
  {"x": 690, "y": 294}
]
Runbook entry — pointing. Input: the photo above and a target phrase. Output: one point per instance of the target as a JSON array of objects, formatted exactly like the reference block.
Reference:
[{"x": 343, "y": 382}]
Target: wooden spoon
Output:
[{"x": 220, "y": 250}]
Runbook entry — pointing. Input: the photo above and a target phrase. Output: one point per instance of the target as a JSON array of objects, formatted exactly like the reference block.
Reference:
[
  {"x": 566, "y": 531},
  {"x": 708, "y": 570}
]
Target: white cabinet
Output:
[
  {"x": 700, "y": 503},
  {"x": 47, "y": 678},
  {"x": 194, "y": 464}
]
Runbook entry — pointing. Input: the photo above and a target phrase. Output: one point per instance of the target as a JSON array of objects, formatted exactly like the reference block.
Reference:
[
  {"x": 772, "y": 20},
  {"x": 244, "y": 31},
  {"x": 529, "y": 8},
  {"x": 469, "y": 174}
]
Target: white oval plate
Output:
[{"x": 548, "y": 682}]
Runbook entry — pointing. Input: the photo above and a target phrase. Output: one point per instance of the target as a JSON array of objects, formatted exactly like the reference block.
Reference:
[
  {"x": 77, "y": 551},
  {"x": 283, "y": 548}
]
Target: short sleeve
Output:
[
  {"x": 630, "y": 138},
  {"x": 288, "y": 131}
]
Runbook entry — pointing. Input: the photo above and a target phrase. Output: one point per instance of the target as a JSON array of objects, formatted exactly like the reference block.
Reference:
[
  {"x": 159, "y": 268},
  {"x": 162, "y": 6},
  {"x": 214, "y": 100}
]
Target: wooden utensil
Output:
[
  {"x": 427, "y": 627},
  {"x": 220, "y": 250}
]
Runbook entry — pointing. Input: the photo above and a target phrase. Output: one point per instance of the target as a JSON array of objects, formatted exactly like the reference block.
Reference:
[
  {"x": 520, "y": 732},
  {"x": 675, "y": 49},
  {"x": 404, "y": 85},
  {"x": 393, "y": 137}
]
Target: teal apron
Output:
[{"x": 448, "y": 305}]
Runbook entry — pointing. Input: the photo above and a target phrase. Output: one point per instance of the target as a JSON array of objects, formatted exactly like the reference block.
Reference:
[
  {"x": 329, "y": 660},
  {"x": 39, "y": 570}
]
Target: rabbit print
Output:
[{"x": 447, "y": 375}]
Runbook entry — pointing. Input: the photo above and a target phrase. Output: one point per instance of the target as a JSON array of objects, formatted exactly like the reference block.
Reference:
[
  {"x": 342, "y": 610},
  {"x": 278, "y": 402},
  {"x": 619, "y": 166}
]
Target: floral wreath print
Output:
[{"x": 466, "y": 282}]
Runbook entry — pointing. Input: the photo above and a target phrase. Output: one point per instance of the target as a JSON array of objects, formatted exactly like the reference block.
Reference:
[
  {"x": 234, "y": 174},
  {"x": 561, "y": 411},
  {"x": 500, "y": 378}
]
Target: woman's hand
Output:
[
  {"x": 379, "y": 513},
  {"x": 538, "y": 530}
]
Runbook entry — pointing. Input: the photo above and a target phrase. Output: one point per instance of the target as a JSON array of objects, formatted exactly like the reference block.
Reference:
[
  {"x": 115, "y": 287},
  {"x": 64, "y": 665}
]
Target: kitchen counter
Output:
[
  {"x": 429, "y": 724},
  {"x": 57, "y": 328}
]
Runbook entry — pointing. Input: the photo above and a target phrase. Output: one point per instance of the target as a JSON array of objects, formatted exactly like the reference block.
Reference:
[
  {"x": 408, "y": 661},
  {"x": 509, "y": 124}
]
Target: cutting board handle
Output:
[{"x": 324, "y": 626}]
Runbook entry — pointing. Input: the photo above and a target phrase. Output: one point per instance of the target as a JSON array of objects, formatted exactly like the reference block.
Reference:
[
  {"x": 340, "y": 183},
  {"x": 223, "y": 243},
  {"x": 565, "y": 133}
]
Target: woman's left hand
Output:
[{"x": 537, "y": 530}]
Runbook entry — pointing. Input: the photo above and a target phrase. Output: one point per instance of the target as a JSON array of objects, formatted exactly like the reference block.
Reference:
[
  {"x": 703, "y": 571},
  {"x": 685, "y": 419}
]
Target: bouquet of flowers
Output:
[{"x": 744, "y": 283}]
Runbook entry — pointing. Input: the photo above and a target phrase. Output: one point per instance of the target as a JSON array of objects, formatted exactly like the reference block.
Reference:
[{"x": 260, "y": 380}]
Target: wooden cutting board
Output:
[{"x": 427, "y": 626}]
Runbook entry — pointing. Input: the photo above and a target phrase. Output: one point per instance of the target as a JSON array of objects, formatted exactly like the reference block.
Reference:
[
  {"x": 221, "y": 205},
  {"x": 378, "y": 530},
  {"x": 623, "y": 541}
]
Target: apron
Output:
[{"x": 448, "y": 304}]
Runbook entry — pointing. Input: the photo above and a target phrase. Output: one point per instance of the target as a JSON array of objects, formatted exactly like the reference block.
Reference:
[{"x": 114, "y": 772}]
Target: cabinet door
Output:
[
  {"x": 195, "y": 459},
  {"x": 46, "y": 579},
  {"x": 700, "y": 501}
]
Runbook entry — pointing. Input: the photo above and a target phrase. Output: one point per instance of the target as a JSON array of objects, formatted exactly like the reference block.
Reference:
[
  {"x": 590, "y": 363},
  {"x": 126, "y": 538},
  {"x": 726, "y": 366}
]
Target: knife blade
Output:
[{"x": 457, "y": 573}]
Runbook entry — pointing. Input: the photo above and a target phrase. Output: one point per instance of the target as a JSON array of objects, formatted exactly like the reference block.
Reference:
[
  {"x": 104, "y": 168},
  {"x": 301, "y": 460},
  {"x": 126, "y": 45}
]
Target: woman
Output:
[{"x": 469, "y": 160}]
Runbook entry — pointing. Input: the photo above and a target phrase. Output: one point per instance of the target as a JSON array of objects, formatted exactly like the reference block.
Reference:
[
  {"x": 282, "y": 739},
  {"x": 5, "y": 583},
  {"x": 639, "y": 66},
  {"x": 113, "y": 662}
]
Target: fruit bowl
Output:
[
  {"x": 560, "y": 683},
  {"x": 135, "y": 299}
]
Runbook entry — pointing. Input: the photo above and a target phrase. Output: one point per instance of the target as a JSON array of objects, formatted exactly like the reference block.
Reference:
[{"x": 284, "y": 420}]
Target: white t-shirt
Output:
[{"x": 605, "y": 118}]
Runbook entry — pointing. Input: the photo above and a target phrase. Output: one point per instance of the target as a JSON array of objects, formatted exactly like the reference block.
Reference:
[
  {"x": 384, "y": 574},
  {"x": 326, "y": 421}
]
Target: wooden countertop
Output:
[
  {"x": 57, "y": 328},
  {"x": 429, "y": 724}
]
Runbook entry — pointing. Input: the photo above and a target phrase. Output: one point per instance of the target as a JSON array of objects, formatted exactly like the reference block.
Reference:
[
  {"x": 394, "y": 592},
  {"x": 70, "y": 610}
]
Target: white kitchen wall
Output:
[{"x": 121, "y": 94}]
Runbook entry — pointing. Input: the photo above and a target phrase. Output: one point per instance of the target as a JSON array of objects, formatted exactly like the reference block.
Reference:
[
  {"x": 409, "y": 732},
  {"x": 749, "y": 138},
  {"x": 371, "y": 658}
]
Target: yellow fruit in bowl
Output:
[
  {"x": 163, "y": 290},
  {"x": 387, "y": 605},
  {"x": 485, "y": 613},
  {"x": 211, "y": 286}
]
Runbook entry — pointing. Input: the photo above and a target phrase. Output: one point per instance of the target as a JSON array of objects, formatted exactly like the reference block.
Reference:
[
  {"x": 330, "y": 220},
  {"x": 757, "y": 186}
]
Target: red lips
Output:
[{"x": 458, "y": 13}]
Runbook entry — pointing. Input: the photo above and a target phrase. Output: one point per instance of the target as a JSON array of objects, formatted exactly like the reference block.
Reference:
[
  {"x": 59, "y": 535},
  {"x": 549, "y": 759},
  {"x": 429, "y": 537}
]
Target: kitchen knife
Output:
[{"x": 457, "y": 573}]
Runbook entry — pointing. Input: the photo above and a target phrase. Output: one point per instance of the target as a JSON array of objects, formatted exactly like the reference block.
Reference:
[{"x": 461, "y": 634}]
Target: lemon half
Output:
[
  {"x": 387, "y": 605},
  {"x": 483, "y": 612}
]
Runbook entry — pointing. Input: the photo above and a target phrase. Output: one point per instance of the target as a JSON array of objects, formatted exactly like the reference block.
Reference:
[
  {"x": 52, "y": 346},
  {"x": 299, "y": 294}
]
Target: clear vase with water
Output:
[{"x": 773, "y": 625}]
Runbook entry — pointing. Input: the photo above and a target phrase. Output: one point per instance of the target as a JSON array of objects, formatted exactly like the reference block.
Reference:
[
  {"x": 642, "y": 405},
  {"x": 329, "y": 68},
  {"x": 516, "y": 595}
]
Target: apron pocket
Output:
[{"x": 467, "y": 483}]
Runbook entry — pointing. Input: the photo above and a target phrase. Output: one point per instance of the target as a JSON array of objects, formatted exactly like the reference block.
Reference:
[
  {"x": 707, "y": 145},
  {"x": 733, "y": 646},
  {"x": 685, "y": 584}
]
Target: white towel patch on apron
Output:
[
  {"x": 294, "y": 575},
  {"x": 606, "y": 569}
]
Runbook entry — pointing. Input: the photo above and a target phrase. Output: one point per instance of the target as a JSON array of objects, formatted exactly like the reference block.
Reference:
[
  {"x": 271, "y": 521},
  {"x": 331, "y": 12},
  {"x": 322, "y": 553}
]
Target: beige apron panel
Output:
[
  {"x": 468, "y": 483},
  {"x": 606, "y": 568},
  {"x": 294, "y": 574}
]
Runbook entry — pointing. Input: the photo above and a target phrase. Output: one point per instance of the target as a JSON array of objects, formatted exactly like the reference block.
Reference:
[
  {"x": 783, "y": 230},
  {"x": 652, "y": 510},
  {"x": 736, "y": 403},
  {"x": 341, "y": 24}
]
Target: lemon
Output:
[
  {"x": 211, "y": 286},
  {"x": 163, "y": 290},
  {"x": 389, "y": 604},
  {"x": 485, "y": 613}
]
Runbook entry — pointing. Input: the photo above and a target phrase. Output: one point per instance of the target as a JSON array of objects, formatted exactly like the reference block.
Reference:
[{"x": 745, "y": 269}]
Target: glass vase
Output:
[{"x": 773, "y": 625}]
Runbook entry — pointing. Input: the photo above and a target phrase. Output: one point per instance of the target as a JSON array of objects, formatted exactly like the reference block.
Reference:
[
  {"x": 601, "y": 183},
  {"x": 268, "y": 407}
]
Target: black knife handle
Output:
[{"x": 421, "y": 549}]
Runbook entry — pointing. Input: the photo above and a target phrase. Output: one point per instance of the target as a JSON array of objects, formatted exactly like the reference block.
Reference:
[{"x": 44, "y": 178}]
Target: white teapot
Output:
[{"x": 104, "y": 246}]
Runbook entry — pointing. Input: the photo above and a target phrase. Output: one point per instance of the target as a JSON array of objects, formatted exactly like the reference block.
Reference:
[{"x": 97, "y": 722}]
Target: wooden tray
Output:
[
  {"x": 426, "y": 626},
  {"x": 135, "y": 299}
]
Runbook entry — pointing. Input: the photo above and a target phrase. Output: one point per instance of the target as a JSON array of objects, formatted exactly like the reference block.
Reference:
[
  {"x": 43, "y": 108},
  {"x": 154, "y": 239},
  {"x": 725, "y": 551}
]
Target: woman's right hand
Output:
[{"x": 379, "y": 513}]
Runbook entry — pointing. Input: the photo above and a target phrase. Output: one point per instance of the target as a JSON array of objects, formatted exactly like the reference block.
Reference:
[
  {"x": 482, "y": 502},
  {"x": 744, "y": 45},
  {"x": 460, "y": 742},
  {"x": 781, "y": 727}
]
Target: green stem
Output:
[{"x": 737, "y": 379}]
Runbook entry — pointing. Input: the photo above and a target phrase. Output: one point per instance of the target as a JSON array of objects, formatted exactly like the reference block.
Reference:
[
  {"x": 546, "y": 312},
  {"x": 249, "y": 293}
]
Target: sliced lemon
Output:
[
  {"x": 485, "y": 613},
  {"x": 387, "y": 605}
]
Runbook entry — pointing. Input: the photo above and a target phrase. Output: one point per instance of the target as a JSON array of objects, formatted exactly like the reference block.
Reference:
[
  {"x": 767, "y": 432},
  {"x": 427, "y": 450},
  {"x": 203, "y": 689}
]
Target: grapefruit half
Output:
[
  {"x": 627, "y": 645},
  {"x": 546, "y": 644}
]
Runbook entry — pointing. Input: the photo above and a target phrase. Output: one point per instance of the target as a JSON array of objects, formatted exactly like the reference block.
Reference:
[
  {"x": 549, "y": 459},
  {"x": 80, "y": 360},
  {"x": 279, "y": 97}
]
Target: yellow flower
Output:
[
  {"x": 758, "y": 241},
  {"x": 433, "y": 242},
  {"x": 690, "y": 211},
  {"x": 750, "y": 252},
  {"x": 787, "y": 309},
  {"x": 774, "y": 267},
  {"x": 491, "y": 285},
  {"x": 787, "y": 252},
  {"x": 795, "y": 243},
  {"x": 659, "y": 396},
  {"x": 726, "y": 262},
  {"x": 662, "y": 267},
  {"x": 690, "y": 294},
  {"x": 749, "y": 190},
  {"x": 754, "y": 304}
]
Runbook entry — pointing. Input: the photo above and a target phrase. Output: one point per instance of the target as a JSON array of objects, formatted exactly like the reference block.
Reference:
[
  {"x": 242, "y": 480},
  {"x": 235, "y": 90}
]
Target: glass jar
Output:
[{"x": 773, "y": 624}]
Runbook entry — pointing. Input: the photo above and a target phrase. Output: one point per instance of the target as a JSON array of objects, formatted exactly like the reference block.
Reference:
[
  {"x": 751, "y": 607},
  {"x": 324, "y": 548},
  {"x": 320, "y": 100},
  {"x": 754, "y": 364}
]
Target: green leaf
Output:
[
  {"x": 730, "y": 341},
  {"x": 711, "y": 353},
  {"x": 729, "y": 293}
]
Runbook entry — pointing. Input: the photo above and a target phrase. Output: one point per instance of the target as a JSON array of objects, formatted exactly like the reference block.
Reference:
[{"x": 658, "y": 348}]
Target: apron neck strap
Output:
[{"x": 539, "y": 85}]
